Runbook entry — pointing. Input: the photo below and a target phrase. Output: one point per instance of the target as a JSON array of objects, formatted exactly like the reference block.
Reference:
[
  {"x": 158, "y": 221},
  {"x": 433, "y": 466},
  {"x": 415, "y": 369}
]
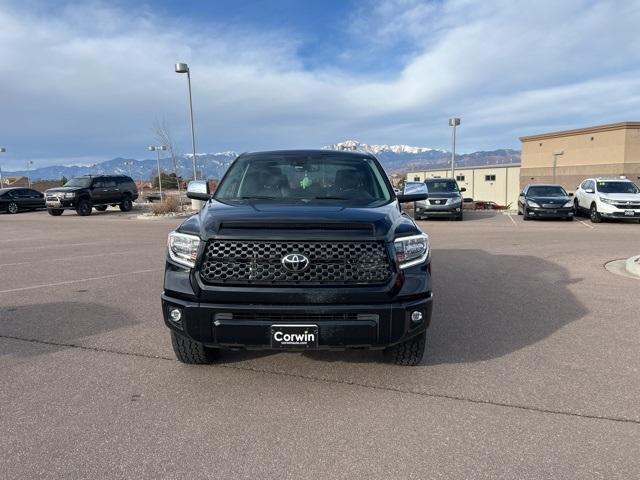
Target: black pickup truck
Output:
[{"x": 299, "y": 250}]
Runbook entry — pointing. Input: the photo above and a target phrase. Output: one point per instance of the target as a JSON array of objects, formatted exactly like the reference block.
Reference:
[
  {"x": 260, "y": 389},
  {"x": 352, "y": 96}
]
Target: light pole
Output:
[
  {"x": 29, "y": 163},
  {"x": 453, "y": 122},
  {"x": 184, "y": 68},
  {"x": 158, "y": 149},
  {"x": 556, "y": 154},
  {"x": 2, "y": 150}
]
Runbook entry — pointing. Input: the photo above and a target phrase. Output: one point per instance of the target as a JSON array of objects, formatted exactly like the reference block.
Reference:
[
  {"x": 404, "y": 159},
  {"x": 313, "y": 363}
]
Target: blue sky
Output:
[{"x": 82, "y": 82}]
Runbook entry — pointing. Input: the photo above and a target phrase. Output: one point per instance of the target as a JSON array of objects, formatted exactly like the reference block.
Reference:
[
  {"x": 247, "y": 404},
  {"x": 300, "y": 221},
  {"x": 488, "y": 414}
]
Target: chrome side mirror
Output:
[
  {"x": 198, "y": 190},
  {"x": 413, "y": 192}
]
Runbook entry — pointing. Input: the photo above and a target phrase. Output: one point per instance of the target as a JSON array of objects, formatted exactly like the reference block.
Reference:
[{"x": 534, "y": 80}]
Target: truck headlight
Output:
[
  {"x": 183, "y": 248},
  {"x": 533, "y": 204},
  {"x": 607, "y": 200},
  {"x": 69, "y": 195},
  {"x": 412, "y": 250}
]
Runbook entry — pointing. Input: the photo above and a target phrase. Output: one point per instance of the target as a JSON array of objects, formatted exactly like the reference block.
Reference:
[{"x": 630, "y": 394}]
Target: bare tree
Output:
[{"x": 163, "y": 135}]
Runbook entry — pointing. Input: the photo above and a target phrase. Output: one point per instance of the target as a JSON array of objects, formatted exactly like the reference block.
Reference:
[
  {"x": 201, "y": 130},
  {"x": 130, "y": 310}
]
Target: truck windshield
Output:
[
  {"x": 82, "y": 182},
  {"x": 348, "y": 180},
  {"x": 442, "y": 186},
  {"x": 546, "y": 191},
  {"x": 617, "y": 187}
]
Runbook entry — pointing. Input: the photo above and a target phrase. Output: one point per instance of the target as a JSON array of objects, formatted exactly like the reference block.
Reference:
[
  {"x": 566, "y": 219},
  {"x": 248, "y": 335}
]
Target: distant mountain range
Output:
[{"x": 394, "y": 158}]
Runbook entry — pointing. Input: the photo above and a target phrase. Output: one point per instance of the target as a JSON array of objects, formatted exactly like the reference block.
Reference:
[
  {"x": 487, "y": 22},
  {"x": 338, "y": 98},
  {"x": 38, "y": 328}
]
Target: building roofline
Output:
[
  {"x": 578, "y": 131},
  {"x": 479, "y": 167}
]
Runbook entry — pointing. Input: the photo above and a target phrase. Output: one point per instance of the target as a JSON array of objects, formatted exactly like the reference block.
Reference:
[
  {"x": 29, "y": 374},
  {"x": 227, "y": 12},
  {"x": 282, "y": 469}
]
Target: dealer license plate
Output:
[{"x": 294, "y": 336}]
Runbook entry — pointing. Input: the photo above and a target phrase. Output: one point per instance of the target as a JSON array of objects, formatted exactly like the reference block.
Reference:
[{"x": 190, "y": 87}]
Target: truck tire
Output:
[
  {"x": 407, "y": 353},
  {"x": 126, "y": 204},
  {"x": 190, "y": 352},
  {"x": 100, "y": 208},
  {"x": 56, "y": 212},
  {"x": 84, "y": 208}
]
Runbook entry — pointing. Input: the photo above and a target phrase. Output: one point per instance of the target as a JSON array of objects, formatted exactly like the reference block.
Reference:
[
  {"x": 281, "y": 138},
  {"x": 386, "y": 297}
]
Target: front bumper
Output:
[
  {"x": 439, "y": 210},
  {"x": 609, "y": 211},
  {"x": 550, "y": 212},
  {"x": 62, "y": 203},
  {"x": 339, "y": 326}
]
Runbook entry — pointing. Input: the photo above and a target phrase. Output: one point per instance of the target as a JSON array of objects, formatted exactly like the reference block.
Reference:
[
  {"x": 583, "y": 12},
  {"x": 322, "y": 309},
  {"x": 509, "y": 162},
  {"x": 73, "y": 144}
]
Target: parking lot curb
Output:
[{"x": 632, "y": 265}]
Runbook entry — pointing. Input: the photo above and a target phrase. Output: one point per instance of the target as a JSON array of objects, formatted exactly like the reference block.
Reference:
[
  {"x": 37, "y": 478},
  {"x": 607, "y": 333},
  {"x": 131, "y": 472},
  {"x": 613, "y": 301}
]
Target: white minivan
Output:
[{"x": 615, "y": 198}]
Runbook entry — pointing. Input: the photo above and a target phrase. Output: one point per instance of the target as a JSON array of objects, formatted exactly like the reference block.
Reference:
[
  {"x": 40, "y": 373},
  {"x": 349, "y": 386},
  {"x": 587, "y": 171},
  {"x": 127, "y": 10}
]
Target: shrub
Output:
[{"x": 170, "y": 205}]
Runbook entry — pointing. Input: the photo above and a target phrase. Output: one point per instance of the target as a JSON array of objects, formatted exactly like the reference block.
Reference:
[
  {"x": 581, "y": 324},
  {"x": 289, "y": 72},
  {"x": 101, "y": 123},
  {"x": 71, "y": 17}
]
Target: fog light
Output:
[
  {"x": 416, "y": 316},
  {"x": 175, "y": 314}
]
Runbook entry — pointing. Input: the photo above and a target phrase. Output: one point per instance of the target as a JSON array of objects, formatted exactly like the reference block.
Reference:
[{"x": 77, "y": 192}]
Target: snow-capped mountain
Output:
[
  {"x": 403, "y": 158},
  {"x": 377, "y": 149},
  {"x": 212, "y": 164},
  {"x": 394, "y": 159}
]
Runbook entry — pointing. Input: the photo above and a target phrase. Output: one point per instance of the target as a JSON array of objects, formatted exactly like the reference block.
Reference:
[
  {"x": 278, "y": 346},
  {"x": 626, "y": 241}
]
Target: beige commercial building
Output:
[
  {"x": 497, "y": 183},
  {"x": 605, "y": 150}
]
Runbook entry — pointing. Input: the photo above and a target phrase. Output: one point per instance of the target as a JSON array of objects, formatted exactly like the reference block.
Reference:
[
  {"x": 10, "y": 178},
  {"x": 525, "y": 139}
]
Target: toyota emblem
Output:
[{"x": 295, "y": 262}]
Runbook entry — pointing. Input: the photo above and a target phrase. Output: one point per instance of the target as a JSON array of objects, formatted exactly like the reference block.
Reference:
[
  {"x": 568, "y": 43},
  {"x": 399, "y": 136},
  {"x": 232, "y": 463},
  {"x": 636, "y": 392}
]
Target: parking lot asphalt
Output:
[{"x": 532, "y": 367}]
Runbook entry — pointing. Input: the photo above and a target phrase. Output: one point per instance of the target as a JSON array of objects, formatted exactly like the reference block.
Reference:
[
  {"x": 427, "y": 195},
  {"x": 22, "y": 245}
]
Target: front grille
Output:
[
  {"x": 624, "y": 206},
  {"x": 552, "y": 205},
  {"x": 301, "y": 317},
  {"x": 330, "y": 263},
  {"x": 438, "y": 201}
]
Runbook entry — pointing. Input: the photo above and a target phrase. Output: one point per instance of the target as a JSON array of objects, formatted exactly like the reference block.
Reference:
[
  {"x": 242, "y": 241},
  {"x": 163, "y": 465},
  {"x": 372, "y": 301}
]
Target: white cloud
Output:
[{"x": 91, "y": 79}]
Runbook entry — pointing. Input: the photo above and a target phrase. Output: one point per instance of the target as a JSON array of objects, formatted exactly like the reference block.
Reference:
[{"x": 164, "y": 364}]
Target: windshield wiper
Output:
[{"x": 329, "y": 197}]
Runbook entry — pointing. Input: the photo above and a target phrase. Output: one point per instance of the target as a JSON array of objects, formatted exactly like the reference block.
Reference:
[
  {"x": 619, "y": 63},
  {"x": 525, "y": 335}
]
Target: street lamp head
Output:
[
  {"x": 558, "y": 152},
  {"x": 454, "y": 122},
  {"x": 151, "y": 148},
  {"x": 162, "y": 147},
  {"x": 2, "y": 149},
  {"x": 182, "y": 68}
]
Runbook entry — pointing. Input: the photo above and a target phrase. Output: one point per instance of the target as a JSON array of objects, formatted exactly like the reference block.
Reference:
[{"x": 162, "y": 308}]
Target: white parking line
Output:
[
  {"x": 587, "y": 225},
  {"x": 82, "y": 280},
  {"x": 511, "y": 218},
  {"x": 65, "y": 259}
]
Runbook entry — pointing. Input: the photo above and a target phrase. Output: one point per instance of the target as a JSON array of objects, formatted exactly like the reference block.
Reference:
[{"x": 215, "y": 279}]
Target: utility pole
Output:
[
  {"x": 453, "y": 122},
  {"x": 157, "y": 149},
  {"x": 29, "y": 163},
  {"x": 2, "y": 150}
]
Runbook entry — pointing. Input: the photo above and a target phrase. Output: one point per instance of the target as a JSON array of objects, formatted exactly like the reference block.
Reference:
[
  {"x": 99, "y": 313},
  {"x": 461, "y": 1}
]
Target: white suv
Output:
[{"x": 608, "y": 198}]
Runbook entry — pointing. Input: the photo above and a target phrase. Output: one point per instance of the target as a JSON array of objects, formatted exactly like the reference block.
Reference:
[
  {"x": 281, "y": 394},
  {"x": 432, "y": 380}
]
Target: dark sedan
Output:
[
  {"x": 15, "y": 199},
  {"x": 545, "y": 201}
]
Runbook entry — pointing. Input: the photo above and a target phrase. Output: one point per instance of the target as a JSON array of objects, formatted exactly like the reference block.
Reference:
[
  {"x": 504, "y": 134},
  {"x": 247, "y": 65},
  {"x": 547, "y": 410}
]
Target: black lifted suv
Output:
[
  {"x": 92, "y": 191},
  {"x": 299, "y": 250}
]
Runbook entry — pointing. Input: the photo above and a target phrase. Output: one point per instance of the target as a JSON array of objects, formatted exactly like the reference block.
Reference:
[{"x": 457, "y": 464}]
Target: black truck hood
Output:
[{"x": 268, "y": 220}]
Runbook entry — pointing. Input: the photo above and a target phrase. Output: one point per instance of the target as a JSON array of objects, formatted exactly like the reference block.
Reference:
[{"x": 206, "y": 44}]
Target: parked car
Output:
[
  {"x": 155, "y": 197},
  {"x": 299, "y": 250},
  {"x": 445, "y": 199},
  {"x": 545, "y": 201},
  {"x": 612, "y": 198},
  {"x": 84, "y": 193},
  {"x": 14, "y": 199}
]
